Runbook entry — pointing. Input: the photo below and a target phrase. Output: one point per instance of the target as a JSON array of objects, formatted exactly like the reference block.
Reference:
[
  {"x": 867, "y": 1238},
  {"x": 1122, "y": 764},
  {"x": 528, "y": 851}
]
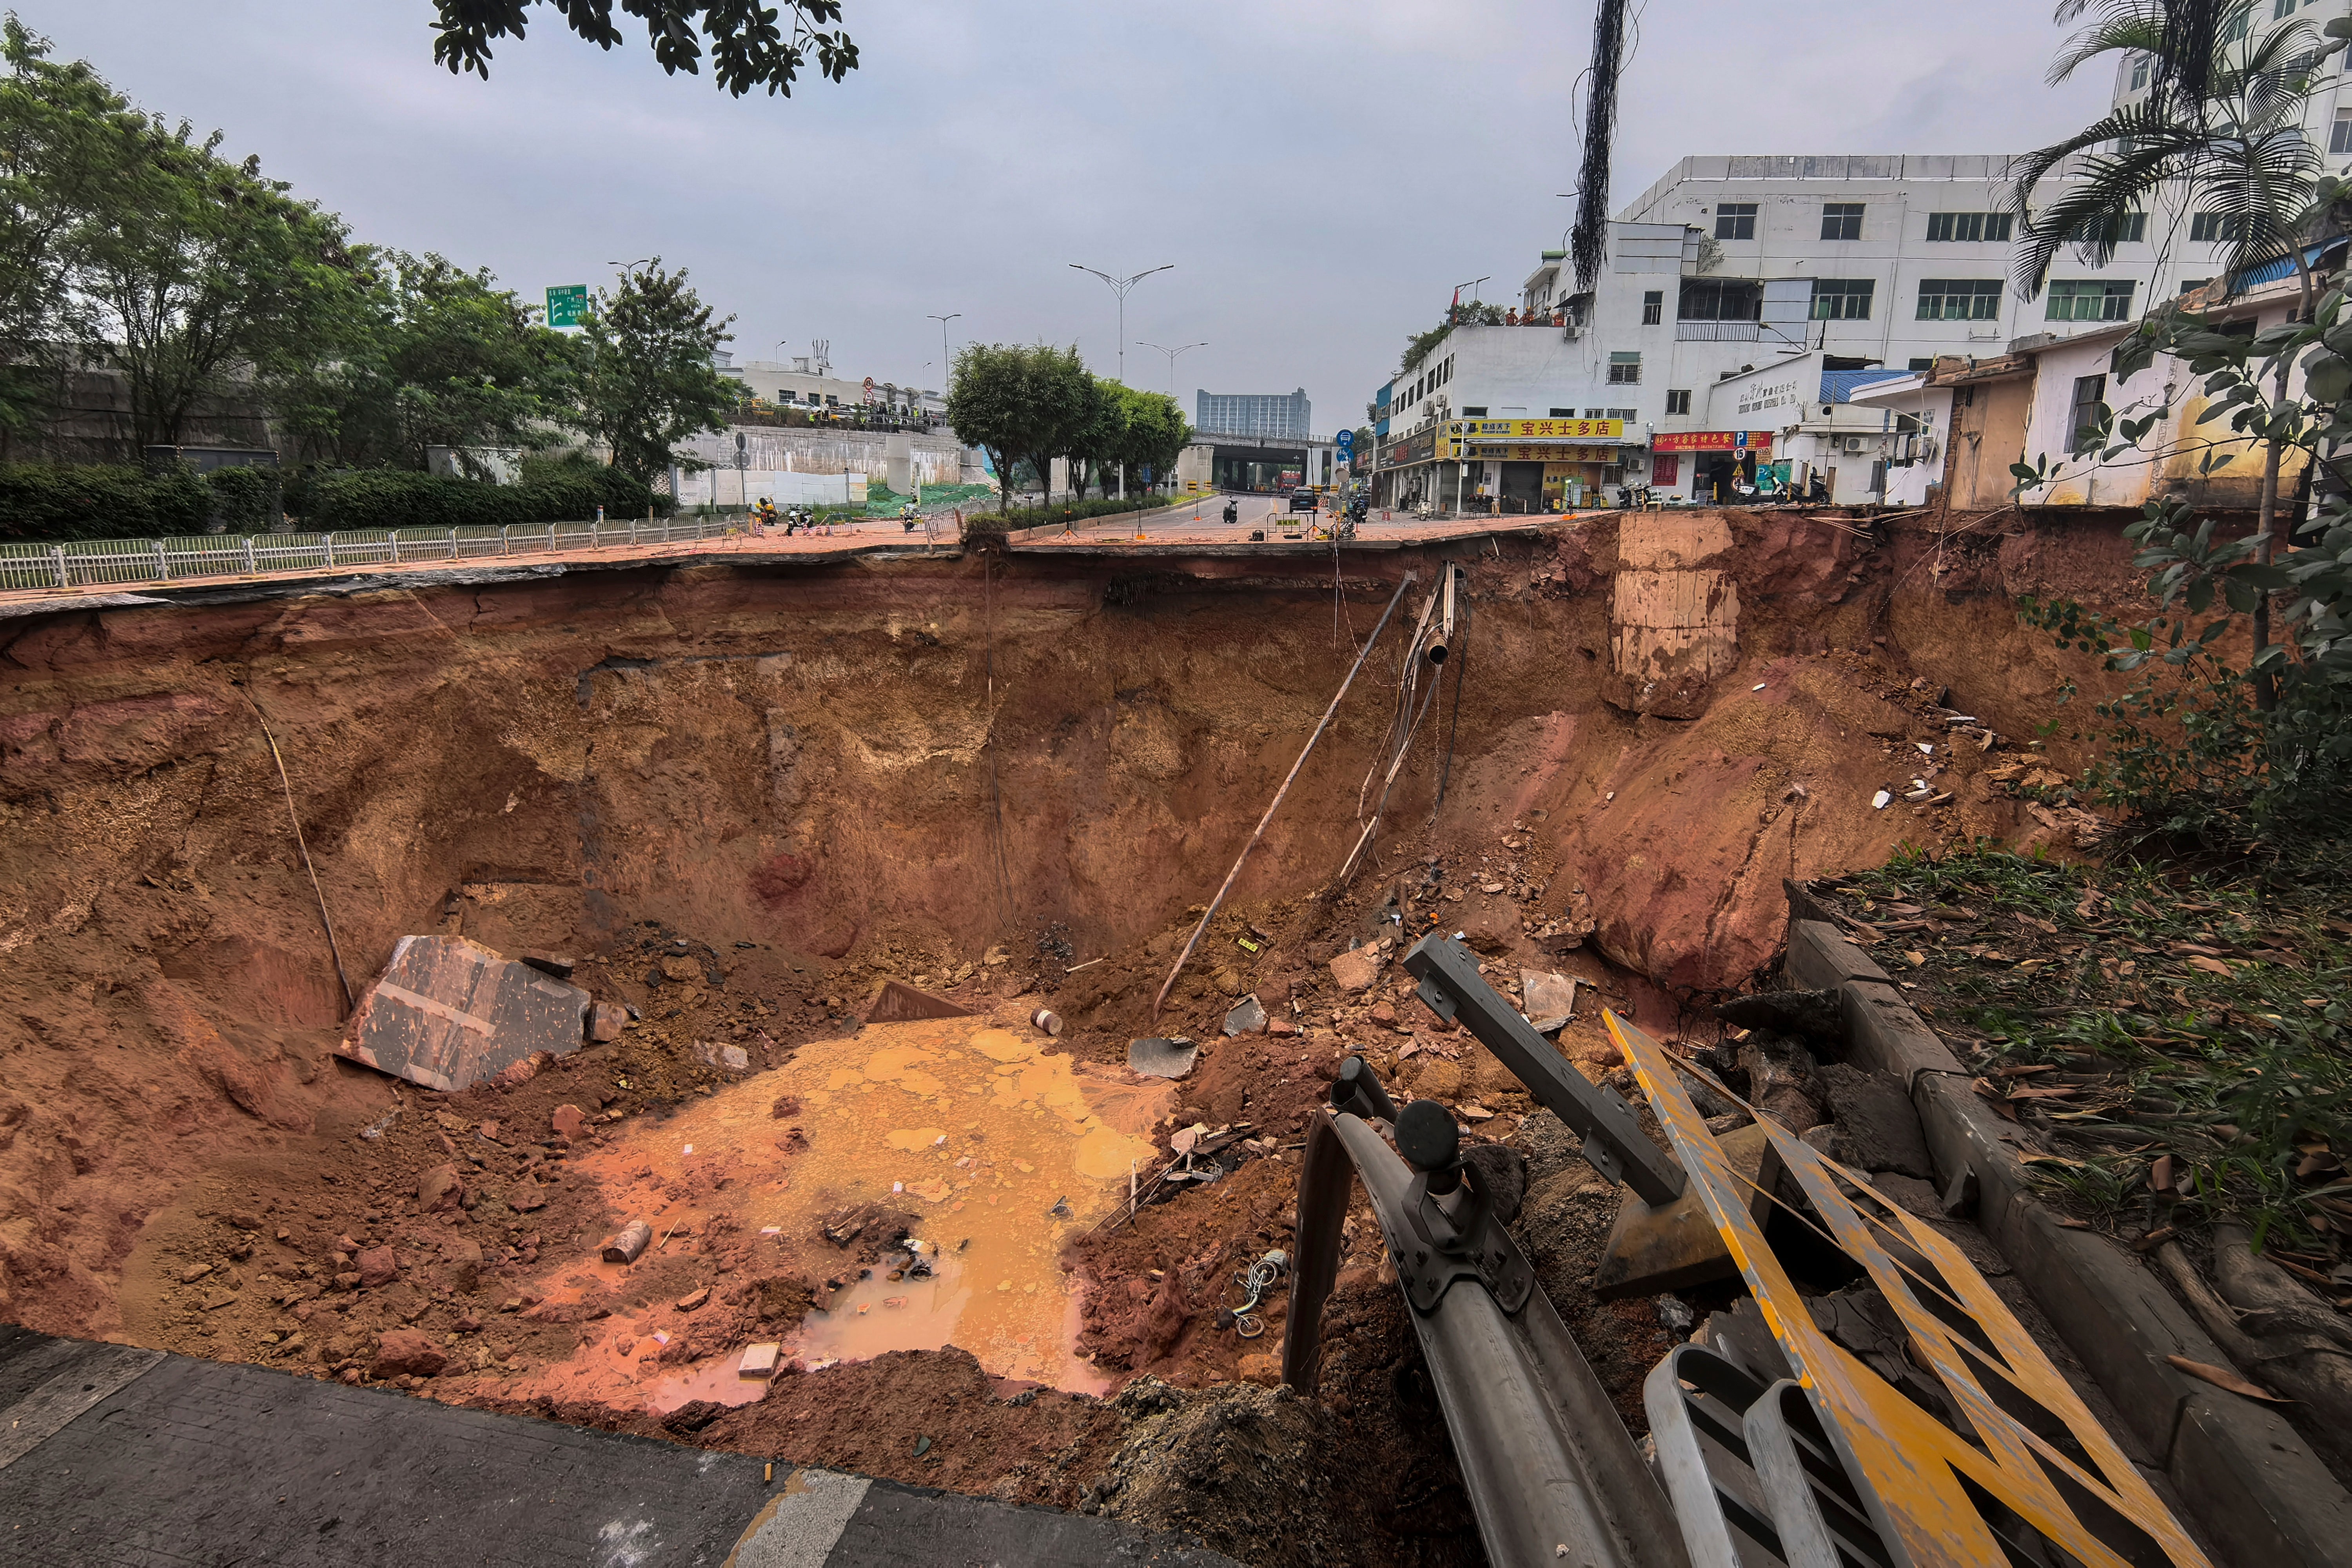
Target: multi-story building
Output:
[
  {"x": 1724, "y": 267},
  {"x": 1267, "y": 416},
  {"x": 808, "y": 383}
]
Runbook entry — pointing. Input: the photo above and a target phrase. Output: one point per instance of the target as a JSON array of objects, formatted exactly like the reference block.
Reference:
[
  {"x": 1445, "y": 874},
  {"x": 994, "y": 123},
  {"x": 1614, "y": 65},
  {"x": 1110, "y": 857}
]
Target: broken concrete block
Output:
[
  {"x": 1878, "y": 1128},
  {"x": 625, "y": 1245},
  {"x": 448, "y": 1013},
  {"x": 758, "y": 1360},
  {"x": 548, "y": 962},
  {"x": 1163, "y": 1057},
  {"x": 1355, "y": 971},
  {"x": 606, "y": 1021},
  {"x": 1548, "y": 996},
  {"x": 898, "y": 1003},
  {"x": 692, "y": 1299},
  {"x": 1246, "y": 1018}
]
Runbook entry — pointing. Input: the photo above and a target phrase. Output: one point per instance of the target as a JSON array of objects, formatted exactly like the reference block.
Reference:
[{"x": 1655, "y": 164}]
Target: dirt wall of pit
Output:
[{"x": 1058, "y": 755}]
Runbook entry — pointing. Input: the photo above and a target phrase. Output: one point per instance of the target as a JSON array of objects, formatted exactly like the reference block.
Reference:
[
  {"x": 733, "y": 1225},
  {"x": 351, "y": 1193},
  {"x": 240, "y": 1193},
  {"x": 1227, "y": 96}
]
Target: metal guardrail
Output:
[{"x": 86, "y": 563}]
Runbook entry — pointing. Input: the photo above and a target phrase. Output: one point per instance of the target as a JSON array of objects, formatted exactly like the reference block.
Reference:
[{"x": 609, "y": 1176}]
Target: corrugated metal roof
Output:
[{"x": 1837, "y": 385}]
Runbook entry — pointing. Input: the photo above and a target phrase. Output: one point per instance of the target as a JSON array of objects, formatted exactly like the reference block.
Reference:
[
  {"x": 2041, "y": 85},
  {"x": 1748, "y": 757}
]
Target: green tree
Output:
[
  {"x": 747, "y": 49},
  {"x": 988, "y": 407},
  {"x": 1151, "y": 431},
  {"x": 61, "y": 126},
  {"x": 435, "y": 356},
  {"x": 2221, "y": 127},
  {"x": 649, "y": 380},
  {"x": 1019, "y": 403}
]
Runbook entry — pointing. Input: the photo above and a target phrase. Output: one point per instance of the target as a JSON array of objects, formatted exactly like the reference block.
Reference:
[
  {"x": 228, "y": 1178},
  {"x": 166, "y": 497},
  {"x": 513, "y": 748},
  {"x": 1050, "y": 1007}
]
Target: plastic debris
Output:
[{"x": 1878, "y": 801}]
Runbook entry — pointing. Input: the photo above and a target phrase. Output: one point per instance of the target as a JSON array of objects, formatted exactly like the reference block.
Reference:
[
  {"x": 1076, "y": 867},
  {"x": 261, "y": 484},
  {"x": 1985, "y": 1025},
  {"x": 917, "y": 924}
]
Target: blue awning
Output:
[{"x": 1838, "y": 385}]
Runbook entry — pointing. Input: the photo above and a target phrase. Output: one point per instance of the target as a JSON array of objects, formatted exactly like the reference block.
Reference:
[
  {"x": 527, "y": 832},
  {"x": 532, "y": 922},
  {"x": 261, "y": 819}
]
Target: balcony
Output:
[{"x": 1740, "y": 333}]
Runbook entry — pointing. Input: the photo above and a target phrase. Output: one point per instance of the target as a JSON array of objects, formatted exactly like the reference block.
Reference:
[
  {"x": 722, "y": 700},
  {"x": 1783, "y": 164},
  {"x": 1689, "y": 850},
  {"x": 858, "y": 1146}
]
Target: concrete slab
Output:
[
  {"x": 899, "y": 1003},
  {"x": 187, "y": 1462},
  {"x": 448, "y": 1012}
]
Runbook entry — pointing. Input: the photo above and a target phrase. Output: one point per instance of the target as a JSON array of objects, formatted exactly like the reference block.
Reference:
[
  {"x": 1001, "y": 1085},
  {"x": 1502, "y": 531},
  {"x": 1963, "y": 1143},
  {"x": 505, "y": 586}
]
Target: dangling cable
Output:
[{"x": 1453, "y": 714}]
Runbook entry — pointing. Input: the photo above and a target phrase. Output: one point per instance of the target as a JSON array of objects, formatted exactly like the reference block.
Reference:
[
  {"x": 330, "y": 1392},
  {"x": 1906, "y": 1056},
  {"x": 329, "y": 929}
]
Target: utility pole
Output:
[
  {"x": 945, "y": 359},
  {"x": 1120, "y": 286}
]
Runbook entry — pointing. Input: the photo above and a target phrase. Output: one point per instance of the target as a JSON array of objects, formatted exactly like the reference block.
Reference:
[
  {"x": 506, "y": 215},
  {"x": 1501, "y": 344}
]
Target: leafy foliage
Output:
[
  {"x": 1034, "y": 402},
  {"x": 2199, "y": 1017},
  {"x": 101, "y": 500},
  {"x": 390, "y": 497},
  {"x": 747, "y": 49},
  {"x": 2220, "y": 130},
  {"x": 649, "y": 380}
]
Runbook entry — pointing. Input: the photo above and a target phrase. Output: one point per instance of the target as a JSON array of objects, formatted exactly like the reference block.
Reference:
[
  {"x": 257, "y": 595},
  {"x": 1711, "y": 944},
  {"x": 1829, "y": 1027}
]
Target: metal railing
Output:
[{"x": 86, "y": 563}]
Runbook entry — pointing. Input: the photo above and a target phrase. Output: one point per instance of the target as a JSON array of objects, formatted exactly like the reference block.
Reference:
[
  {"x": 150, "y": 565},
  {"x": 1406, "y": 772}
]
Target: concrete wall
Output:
[{"x": 933, "y": 459}]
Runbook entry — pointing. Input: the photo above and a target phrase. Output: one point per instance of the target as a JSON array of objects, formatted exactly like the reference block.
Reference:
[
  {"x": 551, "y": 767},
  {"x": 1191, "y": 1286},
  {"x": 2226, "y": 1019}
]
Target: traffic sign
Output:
[
  {"x": 1346, "y": 438},
  {"x": 566, "y": 304}
]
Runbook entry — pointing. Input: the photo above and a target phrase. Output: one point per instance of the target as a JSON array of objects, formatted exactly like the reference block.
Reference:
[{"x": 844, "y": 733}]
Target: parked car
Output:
[{"x": 1305, "y": 500}]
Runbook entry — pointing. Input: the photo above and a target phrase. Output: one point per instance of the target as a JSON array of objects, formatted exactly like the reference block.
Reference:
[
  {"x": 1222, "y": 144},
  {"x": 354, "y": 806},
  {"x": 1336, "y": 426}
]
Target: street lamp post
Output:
[
  {"x": 1171, "y": 354},
  {"x": 1120, "y": 286},
  {"x": 943, "y": 321},
  {"x": 629, "y": 266}
]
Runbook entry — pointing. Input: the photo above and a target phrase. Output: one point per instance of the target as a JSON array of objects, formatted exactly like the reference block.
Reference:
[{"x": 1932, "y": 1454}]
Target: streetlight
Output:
[
  {"x": 1171, "y": 354},
  {"x": 943, "y": 321},
  {"x": 1120, "y": 286},
  {"x": 627, "y": 267}
]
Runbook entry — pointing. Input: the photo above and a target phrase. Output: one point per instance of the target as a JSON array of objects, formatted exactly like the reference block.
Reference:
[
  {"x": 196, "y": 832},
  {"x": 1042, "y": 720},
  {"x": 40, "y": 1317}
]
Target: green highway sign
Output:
[{"x": 566, "y": 304}]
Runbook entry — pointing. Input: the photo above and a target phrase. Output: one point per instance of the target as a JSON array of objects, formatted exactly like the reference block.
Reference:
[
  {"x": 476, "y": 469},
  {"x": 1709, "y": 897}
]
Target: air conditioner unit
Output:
[
  {"x": 1854, "y": 444},
  {"x": 1926, "y": 450},
  {"x": 1571, "y": 331}
]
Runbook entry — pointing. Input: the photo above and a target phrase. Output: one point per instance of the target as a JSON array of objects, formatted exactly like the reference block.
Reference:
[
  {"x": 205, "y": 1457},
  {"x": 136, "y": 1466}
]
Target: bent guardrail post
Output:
[
  {"x": 1613, "y": 1141},
  {"x": 1550, "y": 1469}
]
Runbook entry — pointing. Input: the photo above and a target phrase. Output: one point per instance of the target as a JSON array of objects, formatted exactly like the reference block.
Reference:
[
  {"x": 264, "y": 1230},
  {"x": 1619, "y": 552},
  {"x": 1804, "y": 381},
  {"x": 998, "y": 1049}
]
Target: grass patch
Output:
[{"x": 2183, "y": 1040}]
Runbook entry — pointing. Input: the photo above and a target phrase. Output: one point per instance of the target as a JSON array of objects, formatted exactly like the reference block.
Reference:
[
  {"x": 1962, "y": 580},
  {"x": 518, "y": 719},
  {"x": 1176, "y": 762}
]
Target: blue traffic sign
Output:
[{"x": 1345, "y": 439}]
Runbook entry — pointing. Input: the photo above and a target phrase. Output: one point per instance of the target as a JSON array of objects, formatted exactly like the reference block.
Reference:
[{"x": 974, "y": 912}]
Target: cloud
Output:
[{"x": 1322, "y": 172}]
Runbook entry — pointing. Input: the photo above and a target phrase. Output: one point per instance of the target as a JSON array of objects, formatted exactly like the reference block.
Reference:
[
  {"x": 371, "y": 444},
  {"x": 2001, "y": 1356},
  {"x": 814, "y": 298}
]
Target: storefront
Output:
[
  {"x": 1695, "y": 463},
  {"x": 1538, "y": 465}
]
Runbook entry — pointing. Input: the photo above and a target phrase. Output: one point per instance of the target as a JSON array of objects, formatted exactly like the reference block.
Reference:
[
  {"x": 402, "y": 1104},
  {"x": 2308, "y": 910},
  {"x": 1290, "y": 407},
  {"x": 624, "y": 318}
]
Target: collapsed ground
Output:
[{"x": 743, "y": 800}]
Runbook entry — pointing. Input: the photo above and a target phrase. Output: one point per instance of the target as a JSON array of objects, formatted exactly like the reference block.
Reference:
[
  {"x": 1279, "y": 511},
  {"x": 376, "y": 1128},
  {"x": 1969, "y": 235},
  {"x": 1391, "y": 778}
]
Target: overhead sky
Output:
[{"x": 1321, "y": 172}]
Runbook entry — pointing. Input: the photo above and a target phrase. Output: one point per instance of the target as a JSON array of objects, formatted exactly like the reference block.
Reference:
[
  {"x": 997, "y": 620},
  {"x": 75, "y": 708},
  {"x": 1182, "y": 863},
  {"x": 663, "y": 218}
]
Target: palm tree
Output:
[{"x": 2221, "y": 129}]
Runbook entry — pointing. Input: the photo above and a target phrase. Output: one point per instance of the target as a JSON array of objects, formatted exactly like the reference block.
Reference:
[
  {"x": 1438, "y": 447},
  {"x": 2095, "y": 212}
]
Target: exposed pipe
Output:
[
  {"x": 1210, "y": 913},
  {"x": 318, "y": 892}
]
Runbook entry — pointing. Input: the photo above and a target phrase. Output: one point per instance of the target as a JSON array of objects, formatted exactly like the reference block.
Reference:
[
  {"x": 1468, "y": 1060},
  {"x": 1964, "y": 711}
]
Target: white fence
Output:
[{"x": 79, "y": 564}]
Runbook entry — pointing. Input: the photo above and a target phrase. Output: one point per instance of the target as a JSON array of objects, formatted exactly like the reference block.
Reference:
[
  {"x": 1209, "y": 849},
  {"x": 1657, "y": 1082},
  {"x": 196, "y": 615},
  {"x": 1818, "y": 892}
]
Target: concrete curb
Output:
[{"x": 2250, "y": 1480}]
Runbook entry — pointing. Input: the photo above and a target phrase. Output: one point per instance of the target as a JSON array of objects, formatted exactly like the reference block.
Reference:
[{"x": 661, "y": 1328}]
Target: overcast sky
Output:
[{"x": 1322, "y": 172}]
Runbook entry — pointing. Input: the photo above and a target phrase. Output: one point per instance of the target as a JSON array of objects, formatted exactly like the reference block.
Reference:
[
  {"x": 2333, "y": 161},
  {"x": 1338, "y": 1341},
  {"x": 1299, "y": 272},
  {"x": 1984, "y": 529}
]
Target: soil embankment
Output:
[{"x": 742, "y": 798}]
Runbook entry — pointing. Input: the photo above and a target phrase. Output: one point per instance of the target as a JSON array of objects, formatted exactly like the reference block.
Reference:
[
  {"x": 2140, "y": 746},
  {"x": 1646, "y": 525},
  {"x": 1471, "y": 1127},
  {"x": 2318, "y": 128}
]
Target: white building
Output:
[
  {"x": 808, "y": 383},
  {"x": 1729, "y": 266}
]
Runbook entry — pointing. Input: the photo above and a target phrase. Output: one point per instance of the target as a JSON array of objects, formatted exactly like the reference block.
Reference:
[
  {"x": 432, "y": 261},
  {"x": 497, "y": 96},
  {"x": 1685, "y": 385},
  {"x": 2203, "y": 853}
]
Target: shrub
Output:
[
  {"x": 388, "y": 498},
  {"x": 101, "y": 500},
  {"x": 244, "y": 501}
]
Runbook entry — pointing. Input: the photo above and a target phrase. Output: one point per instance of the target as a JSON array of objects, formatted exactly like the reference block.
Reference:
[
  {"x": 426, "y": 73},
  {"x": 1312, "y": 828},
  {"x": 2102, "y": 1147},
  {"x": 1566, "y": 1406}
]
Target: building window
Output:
[
  {"x": 2139, "y": 71},
  {"x": 1720, "y": 299},
  {"x": 2088, "y": 426},
  {"x": 2191, "y": 285},
  {"x": 1921, "y": 366},
  {"x": 1630, "y": 416},
  {"x": 2090, "y": 300},
  {"x": 1842, "y": 299},
  {"x": 2339, "y": 135},
  {"x": 1473, "y": 412},
  {"x": 1559, "y": 414},
  {"x": 2234, "y": 30},
  {"x": 2224, "y": 227},
  {"x": 1653, "y": 307},
  {"x": 1734, "y": 220},
  {"x": 1592, "y": 414},
  {"x": 2281, "y": 9},
  {"x": 2110, "y": 229},
  {"x": 1959, "y": 299},
  {"x": 1840, "y": 220},
  {"x": 1971, "y": 227},
  {"x": 1624, "y": 369},
  {"x": 1678, "y": 402}
]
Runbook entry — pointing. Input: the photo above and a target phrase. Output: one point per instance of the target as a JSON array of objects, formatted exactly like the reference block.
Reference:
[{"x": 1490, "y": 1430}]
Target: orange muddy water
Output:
[{"x": 1001, "y": 1152}]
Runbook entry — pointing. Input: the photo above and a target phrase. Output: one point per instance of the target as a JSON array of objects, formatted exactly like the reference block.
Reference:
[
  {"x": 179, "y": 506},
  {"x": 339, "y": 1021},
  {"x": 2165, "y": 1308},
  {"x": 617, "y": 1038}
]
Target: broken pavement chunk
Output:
[
  {"x": 1547, "y": 995},
  {"x": 625, "y": 1245},
  {"x": 1246, "y": 1017},
  {"x": 1163, "y": 1057},
  {"x": 448, "y": 1013},
  {"x": 548, "y": 962},
  {"x": 898, "y": 1003},
  {"x": 758, "y": 1360},
  {"x": 693, "y": 1299},
  {"x": 439, "y": 1190}
]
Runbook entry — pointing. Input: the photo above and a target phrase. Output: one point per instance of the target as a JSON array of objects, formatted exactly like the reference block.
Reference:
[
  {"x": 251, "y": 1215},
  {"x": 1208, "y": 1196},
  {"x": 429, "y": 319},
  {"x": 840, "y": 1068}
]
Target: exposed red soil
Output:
[{"x": 807, "y": 764}]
